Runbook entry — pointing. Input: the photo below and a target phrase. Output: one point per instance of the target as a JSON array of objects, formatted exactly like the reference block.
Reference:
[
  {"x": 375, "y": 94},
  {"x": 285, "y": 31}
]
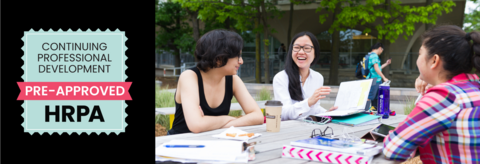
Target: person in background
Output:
[
  {"x": 443, "y": 126},
  {"x": 298, "y": 87},
  {"x": 281, "y": 52},
  {"x": 376, "y": 71},
  {"x": 204, "y": 93}
]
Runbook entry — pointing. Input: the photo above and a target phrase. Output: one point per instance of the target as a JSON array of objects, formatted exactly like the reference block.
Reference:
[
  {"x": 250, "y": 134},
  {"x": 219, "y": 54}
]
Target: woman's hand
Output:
[
  {"x": 318, "y": 94},
  {"x": 332, "y": 108},
  {"x": 422, "y": 86},
  {"x": 229, "y": 124}
]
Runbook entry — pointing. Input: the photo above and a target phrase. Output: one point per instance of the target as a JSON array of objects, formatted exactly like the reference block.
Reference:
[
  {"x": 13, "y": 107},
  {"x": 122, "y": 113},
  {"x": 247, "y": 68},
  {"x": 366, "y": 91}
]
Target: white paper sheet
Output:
[
  {"x": 213, "y": 150},
  {"x": 352, "y": 96},
  {"x": 243, "y": 158}
]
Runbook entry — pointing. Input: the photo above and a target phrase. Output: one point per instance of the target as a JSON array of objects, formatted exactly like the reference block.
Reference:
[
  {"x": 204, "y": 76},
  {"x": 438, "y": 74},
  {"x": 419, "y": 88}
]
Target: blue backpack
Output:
[{"x": 362, "y": 70}]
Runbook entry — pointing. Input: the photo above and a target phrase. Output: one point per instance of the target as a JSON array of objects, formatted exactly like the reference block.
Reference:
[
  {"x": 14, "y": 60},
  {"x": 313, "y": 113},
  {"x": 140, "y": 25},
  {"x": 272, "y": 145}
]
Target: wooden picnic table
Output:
[{"x": 271, "y": 146}]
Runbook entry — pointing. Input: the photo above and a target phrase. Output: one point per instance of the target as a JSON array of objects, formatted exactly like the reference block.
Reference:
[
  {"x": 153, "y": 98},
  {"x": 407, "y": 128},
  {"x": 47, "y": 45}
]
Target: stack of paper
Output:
[
  {"x": 321, "y": 155},
  {"x": 362, "y": 149},
  {"x": 315, "y": 149},
  {"x": 210, "y": 151}
]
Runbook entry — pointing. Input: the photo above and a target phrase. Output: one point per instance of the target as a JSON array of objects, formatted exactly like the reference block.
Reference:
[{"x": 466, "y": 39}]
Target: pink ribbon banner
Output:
[{"x": 74, "y": 90}]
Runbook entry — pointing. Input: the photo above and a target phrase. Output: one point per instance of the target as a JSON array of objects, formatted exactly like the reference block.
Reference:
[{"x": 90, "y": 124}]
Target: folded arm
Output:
[
  {"x": 253, "y": 114},
  {"x": 190, "y": 99}
]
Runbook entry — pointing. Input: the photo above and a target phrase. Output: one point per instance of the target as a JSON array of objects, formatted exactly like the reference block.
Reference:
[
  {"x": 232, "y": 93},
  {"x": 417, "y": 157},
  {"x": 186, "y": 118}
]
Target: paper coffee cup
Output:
[{"x": 273, "y": 114}]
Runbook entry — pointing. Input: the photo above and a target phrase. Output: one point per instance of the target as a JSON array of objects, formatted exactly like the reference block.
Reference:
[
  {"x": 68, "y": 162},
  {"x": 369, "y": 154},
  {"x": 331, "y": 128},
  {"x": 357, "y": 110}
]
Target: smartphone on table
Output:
[{"x": 382, "y": 130}]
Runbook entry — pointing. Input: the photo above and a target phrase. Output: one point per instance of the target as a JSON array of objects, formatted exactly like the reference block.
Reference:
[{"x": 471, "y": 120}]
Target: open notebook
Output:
[{"x": 351, "y": 98}]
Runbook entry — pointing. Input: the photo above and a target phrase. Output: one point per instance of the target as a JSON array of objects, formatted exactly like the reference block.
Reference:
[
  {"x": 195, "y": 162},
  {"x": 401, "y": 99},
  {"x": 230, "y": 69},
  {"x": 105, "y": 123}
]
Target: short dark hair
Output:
[
  {"x": 291, "y": 68},
  {"x": 282, "y": 44},
  {"x": 217, "y": 45},
  {"x": 453, "y": 46},
  {"x": 376, "y": 46}
]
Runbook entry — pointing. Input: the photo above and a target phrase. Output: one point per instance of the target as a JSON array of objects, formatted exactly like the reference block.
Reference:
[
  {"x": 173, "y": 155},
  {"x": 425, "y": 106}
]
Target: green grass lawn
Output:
[
  {"x": 163, "y": 98},
  {"x": 409, "y": 105}
]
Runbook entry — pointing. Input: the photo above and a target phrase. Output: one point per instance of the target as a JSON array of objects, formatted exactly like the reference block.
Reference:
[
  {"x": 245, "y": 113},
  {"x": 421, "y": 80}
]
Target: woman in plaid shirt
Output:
[{"x": 444, "y": 125}]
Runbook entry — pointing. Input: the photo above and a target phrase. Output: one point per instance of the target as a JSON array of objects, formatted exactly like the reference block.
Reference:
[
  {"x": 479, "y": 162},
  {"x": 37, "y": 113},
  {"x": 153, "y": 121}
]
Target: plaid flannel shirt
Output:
[{"x": 444, "y": 125}]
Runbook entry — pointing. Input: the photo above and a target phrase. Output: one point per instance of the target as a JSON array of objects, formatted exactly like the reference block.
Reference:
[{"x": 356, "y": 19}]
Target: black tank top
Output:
[{"x": 180, "y": 126}]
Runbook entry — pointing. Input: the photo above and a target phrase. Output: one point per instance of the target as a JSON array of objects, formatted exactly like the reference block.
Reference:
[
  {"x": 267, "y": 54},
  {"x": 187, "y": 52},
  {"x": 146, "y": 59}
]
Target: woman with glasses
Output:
[
  {"x": 204, "y": 93},
  {"x": 298, "y": 87}
]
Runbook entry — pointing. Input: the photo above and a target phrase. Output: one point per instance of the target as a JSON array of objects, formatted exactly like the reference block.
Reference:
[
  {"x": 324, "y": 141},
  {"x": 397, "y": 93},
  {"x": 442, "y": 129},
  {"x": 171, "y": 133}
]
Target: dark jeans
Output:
[
  {"x": 168, "y": 133},
  {"x": 373, "y": 95}
]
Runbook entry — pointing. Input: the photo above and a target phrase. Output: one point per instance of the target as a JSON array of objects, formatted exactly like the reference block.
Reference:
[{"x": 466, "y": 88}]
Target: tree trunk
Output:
[
  {"x": 227, "y": 23},
  {"x": 385, "y": 56},
  {"x": 290, "y": 22},
  {"x": 386, "y": 47},
  {"x": 177, "y": 58},
  {"x": 265, "y": 42},
  {"x": 333, "y": 77},
  {"x": 177, "y": 51},
  {"x": 177, "y": 62},
  {"x": 196, "y": 27},
  {"x": 265, "y": 47},
  {"x": 258, "y": 60}
]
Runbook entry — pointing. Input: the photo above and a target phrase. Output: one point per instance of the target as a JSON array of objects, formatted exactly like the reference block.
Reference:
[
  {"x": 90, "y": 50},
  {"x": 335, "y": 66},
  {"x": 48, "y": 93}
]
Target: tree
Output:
[
  {"x": 211, "y": 22},
  {"x": 290, "y": 21},
  {"x": 395, "y": 19},
  {"x": 472, "y": 20},
  {"x": 241, "y": 14},
  {"x": 174, "y": 33},
  {"x": 193, "y": 16},
  {"x": 258, "y": 60}
]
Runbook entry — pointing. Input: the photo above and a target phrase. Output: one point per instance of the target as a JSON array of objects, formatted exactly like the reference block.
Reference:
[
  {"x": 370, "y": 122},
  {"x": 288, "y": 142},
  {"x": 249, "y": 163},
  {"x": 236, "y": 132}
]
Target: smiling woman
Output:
[
  {"x": 298, "y": 87},
  {"x": 204, "y": 93}
]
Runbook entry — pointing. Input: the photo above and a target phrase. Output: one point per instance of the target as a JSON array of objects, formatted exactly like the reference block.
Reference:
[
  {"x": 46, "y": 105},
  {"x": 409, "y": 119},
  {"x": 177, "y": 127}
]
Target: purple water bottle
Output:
[{"x": 384, "y": 100}]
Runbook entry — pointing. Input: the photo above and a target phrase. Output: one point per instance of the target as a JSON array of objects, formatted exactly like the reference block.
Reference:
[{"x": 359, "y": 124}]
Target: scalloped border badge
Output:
[{"x": 69, "y": 31}]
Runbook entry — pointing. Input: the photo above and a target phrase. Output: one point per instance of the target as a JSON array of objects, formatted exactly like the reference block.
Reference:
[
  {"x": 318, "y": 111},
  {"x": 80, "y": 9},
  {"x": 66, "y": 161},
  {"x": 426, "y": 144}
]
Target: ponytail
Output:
[{"x": 459, "y": 51}]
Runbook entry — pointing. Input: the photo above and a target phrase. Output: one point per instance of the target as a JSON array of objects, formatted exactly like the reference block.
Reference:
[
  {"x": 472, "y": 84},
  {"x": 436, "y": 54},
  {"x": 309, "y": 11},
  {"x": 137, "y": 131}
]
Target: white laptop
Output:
[{"x": 351, "y": 98}]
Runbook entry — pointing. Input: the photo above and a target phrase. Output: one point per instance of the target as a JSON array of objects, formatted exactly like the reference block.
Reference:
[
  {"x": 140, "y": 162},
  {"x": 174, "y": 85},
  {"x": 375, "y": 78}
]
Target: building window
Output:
[{"x": 354, "y": 45}]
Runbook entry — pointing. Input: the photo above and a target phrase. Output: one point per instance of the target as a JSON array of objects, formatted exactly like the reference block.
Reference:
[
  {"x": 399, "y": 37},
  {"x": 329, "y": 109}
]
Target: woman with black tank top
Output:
[{"x": 204, "y": 93}]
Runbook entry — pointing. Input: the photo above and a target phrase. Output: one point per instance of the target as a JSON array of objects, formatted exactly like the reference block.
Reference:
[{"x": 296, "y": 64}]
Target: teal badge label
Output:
[{"x": 74, "y": 81}]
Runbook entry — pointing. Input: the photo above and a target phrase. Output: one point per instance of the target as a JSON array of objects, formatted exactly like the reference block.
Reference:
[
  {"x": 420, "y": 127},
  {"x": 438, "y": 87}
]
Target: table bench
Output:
[{"x": 270, "y": 148}]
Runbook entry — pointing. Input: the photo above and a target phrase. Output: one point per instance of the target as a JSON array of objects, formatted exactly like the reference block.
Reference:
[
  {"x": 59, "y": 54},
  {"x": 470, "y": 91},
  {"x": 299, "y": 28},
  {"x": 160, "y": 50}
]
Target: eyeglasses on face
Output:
[{"x": 306, "y": 49}]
